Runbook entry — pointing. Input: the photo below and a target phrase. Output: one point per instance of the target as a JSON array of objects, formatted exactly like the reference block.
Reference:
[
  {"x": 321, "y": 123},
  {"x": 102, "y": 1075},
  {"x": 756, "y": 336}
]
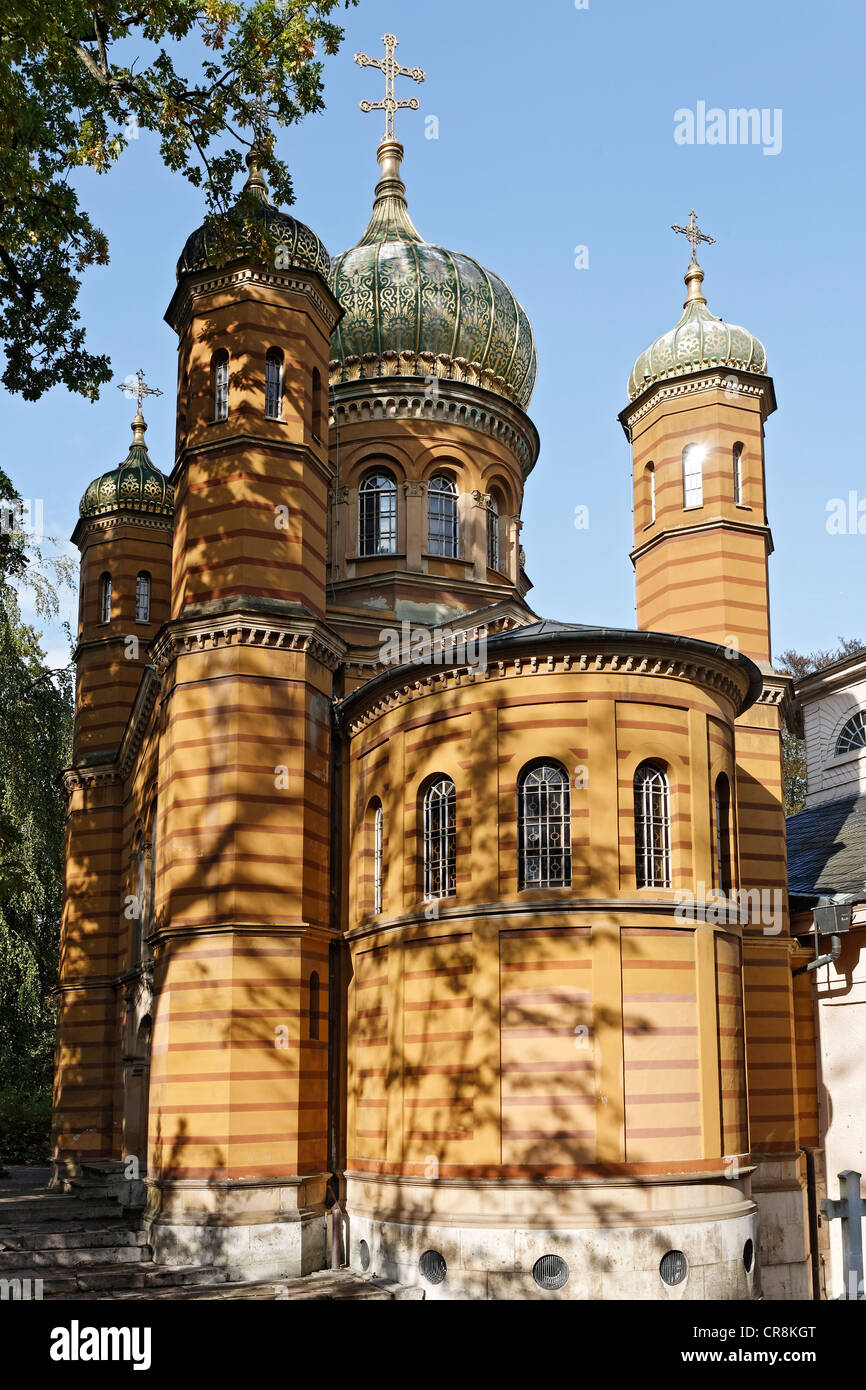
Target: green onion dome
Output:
[
  {"x": 698, "y": 341},
  {"x": 250, "y": 230},
  {"x": 135, "y": 485},
  {"x": 411, "y": 308}
]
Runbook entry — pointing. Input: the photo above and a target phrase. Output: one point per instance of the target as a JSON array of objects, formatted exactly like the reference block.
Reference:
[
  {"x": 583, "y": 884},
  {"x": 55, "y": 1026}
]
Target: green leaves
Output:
[{"x": 77, "y": 82}]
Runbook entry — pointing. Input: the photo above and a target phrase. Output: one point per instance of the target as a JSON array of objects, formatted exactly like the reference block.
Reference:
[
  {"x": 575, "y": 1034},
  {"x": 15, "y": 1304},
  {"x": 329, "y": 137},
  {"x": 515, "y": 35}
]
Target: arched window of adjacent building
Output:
[
  {"x": 651, "y": 490},
  {"x": 853, "y": 734},
  {"x": 377, "y": 530},
  {"x": 105, "y": 599},
  {"x": 220, "y": 373},
  {"x": 442, "y": 516},
  {"x": 440, "y": 839},
  {"x": 544, "y": 827},
  {"x": 142, "y": 597},
  {"x": 652, "y": 827},
  {"x": 313, "y": 1029},
  {"x": 274, "y": 384},
  {"x": 723, "y": 833},
  {"x": 318, "y": 431},
  {"x": 693, "y": 475},
  {"x": 492, "y": 534},
  {"x": 738, "y": 474}
]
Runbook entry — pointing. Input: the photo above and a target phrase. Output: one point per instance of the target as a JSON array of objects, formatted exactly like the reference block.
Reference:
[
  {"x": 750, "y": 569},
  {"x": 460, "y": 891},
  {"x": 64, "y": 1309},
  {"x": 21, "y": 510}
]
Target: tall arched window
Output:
[
  {"x": 651, "y": 490},
  {"x": 853, "y": 734},
  {"x": 652, "y": 827},
  {"x": 220, "y": 373},
  {"x": 440, "y": 839},
  {"x": 142, "y": 597},
  {"x": 723, "y": 833},
  {"x": 442, "y": 516},
  {"x": 105, "y": 599},
  {"x": 492, "y": 534},
  {"x": 274, "y": 384},
  {"x": 377, "y": 529},
  {"x": 693, "y": 475},
  {"x": 738, "y": 474},
  {"x": 378, "y": 826},
  {"x": 544, "y": 827},
  {"x": 318, "y": 432},
  {"x": 313, "y": 1016}
]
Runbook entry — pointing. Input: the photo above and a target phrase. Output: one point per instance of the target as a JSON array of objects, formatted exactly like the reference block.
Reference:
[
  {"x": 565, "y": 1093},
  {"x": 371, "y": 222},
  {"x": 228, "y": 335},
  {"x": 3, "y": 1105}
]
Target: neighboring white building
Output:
[{"x": 827, "y": 862}]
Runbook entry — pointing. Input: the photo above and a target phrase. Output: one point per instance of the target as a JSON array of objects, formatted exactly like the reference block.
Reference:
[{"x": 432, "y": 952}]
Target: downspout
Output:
[{"x": 833, "y": 954}]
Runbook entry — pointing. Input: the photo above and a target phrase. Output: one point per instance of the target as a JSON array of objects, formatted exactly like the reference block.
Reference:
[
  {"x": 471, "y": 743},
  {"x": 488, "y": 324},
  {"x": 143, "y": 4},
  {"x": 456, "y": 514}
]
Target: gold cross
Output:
[
  {"x": 391, "y": 68},
  {"x": 693, "y": 233},
  {"x": 139, "y": 390}
]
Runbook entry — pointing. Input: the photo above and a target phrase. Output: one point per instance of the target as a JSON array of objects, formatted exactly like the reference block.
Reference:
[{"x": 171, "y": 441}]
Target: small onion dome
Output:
[
  {"x": 414, "y": 309},
  {"x": 698, "y": 341},
  {"x": 135, "y": 485},
  {"x": 228, "y": 237}
]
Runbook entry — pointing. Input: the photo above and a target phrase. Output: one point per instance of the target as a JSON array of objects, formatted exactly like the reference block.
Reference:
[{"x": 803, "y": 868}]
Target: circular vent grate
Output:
[
  {"x": 432, "y": 1266},
  {"x": 748, "y": 1255},
  {"x": 364, "y": 1253},
  {"x": 673, "y": 1267},
  {"x": 550, "y": 1272}
]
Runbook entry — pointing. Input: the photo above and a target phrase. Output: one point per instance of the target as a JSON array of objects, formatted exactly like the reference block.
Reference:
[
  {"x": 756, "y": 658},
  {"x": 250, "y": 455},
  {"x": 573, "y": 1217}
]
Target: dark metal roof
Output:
[{"x": 827, "y": 850}]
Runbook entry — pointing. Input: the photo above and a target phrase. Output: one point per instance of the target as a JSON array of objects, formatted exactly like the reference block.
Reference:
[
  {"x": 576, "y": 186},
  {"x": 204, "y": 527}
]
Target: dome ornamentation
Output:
[
  {"x": 699, "y": 341},
  {"x": 135, "y": 486},
  {"x": 411, "y": 308}
]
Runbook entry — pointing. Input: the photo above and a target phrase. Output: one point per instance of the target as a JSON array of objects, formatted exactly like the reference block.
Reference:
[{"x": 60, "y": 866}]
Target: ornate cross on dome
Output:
[
  {"x": 693, "y": 233},
  {"x": 139, "y": 390},
  {"x": 391, "y": 68}
]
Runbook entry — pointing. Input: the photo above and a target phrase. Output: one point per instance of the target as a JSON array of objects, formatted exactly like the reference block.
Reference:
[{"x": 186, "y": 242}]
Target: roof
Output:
[{"x": 827, "y": 849}]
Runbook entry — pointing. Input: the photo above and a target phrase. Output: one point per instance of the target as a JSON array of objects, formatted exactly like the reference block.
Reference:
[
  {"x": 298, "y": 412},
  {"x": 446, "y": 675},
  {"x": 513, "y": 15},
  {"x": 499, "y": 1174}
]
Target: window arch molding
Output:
[
  {"x": 438, "y": 796},
  {"x": 543, "y": 825},
  {"x": 652, "y": 824}
]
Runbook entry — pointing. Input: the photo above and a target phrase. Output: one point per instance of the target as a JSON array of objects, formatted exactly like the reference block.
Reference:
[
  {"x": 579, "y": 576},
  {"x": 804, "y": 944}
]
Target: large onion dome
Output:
[
  {"x": 230, "y": 237},
  {"x": 698, "y": 341},
  {"x": 411, "y": 308},
  {"x": 135, "y": 486}
]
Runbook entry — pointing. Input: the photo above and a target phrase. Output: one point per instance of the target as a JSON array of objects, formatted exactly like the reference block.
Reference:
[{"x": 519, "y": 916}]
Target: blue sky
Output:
[{"x": 556, "y": 130}]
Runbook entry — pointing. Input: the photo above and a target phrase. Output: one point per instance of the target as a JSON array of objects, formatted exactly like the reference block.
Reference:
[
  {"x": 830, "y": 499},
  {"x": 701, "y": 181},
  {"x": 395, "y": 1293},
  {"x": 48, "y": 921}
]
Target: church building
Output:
[{"x": 397, "y": 917}]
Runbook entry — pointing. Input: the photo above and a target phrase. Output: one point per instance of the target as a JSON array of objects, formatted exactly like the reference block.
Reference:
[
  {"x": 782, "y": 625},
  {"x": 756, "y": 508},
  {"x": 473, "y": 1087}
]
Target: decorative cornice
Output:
[
  {"x": 238, "y": 440},
  {"x": 436, "y": 682},
  {"x": 109, "y": 521},
  {"x": 245, "y": 627},
  {"x": 180, "y": 310},
  {"x": 139, "y": 716},
  {"x": 718, "y": 379},
  {"x": 457, "y": 403},
  {"x": 713, "y": 523}
]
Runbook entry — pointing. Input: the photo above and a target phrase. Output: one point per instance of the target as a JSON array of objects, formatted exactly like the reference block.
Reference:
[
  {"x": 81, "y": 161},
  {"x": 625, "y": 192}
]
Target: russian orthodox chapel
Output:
[{"x": 431, "y": 941}]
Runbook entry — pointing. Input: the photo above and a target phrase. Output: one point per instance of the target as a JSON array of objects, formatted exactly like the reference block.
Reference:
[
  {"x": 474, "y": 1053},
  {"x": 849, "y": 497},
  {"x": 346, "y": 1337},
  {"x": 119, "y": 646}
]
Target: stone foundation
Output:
[
  {"x": 611, "y": 1235},
  {"x": 251, "y": 1229},
  {"x": 779, "y": 1189}
]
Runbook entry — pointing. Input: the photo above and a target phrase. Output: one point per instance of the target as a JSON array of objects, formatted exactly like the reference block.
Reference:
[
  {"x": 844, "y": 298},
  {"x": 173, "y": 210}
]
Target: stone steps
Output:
[
  {"x": 28, "y": 1209},
  {"x": 106, "y": 1279},
  {"x": 325, "y": 1286},
  {"x": 54, "y": 1239}
]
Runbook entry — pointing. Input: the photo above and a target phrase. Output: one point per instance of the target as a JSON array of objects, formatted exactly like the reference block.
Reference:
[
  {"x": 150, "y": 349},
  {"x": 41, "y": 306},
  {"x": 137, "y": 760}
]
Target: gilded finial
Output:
[
  {"x": 391, "y": 68},
  {"x": 390, "y": 220},
  {"x": 134, "y": 388},
  {"x": 694, "y": 275}
]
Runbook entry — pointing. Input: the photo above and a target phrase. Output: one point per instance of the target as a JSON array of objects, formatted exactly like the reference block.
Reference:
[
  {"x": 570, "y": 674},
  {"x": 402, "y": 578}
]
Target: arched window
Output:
[
  {"x": 313, "y": 1016},
  {"x": 651, "y": 490},
  {"x": 220, "y": 373},
  {"x": 652, "y": 827},
  {"x": 492, "y": 534},
  {"x": 142, "y": 597},
  {"x": 377, "y": 497},
  {"x": 738, "y": 474},
  {"x": 853, "y": 735},
  {"x": 318, "y": 432},
  {"x": 544, "y": 827},
  {"x": 440, "y": 839},
  {"x": 693, "y": 475},
  {"x": 274, "y": 384},
  {"x": 105, "y": 599},
  {"x": 378, "y": 826},
  {"x": 723, "y": 833},
  {"x": 442, "y": 516}
]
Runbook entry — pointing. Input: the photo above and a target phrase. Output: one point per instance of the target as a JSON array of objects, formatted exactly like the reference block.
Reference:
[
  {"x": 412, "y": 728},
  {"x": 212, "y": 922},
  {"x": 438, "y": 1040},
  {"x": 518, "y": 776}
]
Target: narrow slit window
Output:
[
  {"x": 738, "y": 474},
  {"x": 723, "y": 833},
  {"x": 220, "y": 367},
  {"x": 378, "y": 826},
  {"x": 105, "y": 599},
  {"x": 313, "y": 1021},
  {"x": 652, "y": 827},
  {"x": 142, "y": 597},
  {"x": 274, "y": 384},
  {"x": 693, "y": 475},
  {"x": 651, "y": 490},
  {"x": 492, "y": 534}
]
